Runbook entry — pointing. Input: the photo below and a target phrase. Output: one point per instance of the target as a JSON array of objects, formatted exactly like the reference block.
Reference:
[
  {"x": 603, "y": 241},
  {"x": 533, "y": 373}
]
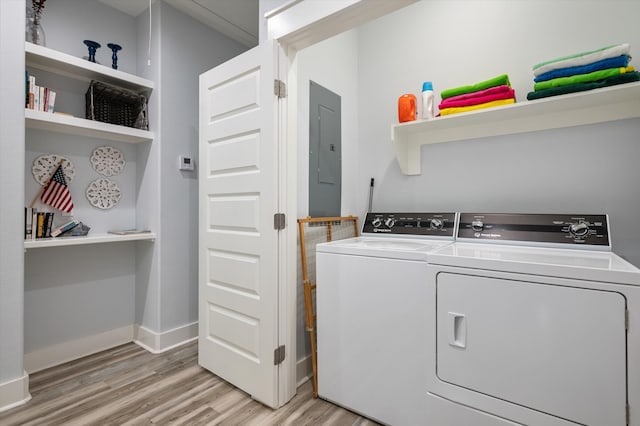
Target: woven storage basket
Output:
[{"x": 112, "y": 104}]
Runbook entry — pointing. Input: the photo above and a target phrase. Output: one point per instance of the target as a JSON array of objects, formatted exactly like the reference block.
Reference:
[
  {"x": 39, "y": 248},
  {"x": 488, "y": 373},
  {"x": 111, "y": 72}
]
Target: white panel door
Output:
[
  {"x": 238, "y": 245},
  {"x": 559, "y": 350}
]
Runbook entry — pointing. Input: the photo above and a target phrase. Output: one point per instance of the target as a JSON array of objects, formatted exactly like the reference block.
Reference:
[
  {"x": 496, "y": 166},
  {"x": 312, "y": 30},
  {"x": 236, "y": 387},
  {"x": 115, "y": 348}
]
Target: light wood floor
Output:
[{"x": 130, "y": 386}]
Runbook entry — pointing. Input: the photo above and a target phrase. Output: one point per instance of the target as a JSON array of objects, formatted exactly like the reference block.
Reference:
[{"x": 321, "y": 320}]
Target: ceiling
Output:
[{"x": 237, "y": 19}]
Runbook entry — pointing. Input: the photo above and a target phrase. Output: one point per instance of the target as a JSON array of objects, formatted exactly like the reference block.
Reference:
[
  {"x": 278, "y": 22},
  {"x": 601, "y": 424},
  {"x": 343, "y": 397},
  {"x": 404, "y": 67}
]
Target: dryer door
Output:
[{"x": 555, "y": 349}]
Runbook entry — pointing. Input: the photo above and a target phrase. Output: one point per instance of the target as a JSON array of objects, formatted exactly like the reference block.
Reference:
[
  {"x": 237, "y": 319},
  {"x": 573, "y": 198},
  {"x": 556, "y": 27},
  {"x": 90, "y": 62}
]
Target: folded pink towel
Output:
[
  {"x": 490, "y": 91},
  {"x": 476, "y": 100}
]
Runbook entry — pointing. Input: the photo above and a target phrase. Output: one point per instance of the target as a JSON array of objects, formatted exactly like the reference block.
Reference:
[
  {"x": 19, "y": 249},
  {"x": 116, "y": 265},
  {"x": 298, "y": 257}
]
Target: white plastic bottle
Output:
[{"x": 427, "y": 100}]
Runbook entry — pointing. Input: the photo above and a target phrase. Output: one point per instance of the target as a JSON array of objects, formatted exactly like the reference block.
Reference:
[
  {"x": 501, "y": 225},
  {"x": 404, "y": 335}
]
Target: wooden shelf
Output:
[
  {"x": 593, "y": 106},
  {"x": 80, "y": 69},
  {"x": 92, "y": 239},
  {"x": 82, "y": 127}
]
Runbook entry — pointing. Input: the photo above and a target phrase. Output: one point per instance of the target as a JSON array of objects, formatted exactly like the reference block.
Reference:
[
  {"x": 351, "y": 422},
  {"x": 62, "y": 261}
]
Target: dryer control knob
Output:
[
  {"x": 390, "y": 222},
  {"x": 376, "y": 222},
  {"x": 477, "y": 225},
  {"x": 579, "y": 229},
  {"x": 436, "y": 224}
]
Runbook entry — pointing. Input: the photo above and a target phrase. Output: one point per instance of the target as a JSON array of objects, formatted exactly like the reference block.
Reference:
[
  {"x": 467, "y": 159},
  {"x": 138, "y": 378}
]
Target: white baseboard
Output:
[
  {"x": 304, "y": 370},
  {"x": 14, "y": 392},
  {"x": 68, "y": 351},
  {"x": 159, "y": 342}
]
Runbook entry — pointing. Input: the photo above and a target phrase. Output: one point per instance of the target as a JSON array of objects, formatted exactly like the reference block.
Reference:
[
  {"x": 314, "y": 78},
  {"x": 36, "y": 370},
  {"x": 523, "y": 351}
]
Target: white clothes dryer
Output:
[
  {"x": 532, "y": 320},
  {"x": 371, "y": 318}
]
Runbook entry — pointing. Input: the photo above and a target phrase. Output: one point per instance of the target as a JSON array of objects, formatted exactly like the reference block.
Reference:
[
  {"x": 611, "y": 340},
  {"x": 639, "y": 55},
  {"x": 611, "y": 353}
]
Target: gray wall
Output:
[
  {"x": 167, "y": 273},
  {"x": 188, "y": 49},
  {"x": 104, "y": 287},
  {"x": 67, "y": 23},
  {"x": 75, "y": 292},
  {"x": 11, "y": 190},
  {"x": 588, "y": 169}
]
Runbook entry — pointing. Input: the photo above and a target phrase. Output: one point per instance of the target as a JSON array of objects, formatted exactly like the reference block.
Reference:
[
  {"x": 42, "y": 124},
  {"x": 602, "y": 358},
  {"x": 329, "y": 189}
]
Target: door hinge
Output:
[
  {"x": 626, "y": 319},
  {"x": 280, "y": 88},
  {"x": 278, "y": 355},
  {"x": 278, "y": 221},
  {"x": 628, "y": 414}
]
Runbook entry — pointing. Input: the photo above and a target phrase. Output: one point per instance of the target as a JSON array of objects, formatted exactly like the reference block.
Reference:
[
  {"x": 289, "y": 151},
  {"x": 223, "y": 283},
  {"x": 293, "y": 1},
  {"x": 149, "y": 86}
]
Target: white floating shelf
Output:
[
  {"x": 593, "y": 106},
  {"x": 63, "y": 64},
  {"x": 92, "y": 239},
  {"x": 82, "y": 127}
]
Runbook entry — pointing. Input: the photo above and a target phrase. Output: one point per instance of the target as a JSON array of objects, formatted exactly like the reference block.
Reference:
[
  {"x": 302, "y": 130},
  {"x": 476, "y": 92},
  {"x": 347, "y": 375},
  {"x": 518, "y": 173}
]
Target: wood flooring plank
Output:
[
  {"x": 174, "y": 412},
  {"x": 128, "y": 386}
]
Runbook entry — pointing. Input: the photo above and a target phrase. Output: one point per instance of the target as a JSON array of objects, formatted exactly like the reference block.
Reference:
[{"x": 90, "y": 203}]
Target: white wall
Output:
[
  {"x": 589, "y": 169},
  {"x": 332, "y": 64},
  {"x": 11, "y": 194},
  {"x": 318, "y": 63}
]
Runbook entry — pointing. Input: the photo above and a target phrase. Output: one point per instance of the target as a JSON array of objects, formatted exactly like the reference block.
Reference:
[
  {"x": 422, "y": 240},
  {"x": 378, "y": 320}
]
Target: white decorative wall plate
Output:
[
  {"x": 103, "y": 193},
  {"x": 107, "y": 160},
  {"x": 45, "y": 165}
]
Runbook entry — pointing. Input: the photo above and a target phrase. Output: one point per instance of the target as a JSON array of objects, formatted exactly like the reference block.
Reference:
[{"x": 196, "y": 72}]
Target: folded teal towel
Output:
[
  {"x": 618, "y": 61},
  {"x": 581, "y": 87},
  {"x": 583, "y": 58},
  {"x": 501, "y": 80}
]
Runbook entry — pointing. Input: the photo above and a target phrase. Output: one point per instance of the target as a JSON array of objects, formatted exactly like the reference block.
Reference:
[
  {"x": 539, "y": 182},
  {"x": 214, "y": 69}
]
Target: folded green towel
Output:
[
  {"x": 501, "y": 80},
  {"x": 581, "y": 78},
  {"x": 581, "y": 87}
]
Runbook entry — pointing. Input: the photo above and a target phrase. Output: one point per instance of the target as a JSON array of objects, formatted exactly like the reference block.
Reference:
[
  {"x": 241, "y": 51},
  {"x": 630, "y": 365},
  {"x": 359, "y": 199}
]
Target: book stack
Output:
[
  {"x": 38, "y": 98},
  {"x": 39, "y": 224}
]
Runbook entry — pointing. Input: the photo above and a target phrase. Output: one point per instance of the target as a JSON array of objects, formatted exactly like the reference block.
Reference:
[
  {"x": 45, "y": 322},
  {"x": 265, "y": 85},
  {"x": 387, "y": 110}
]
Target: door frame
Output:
[{"x": 295, "y": 25}]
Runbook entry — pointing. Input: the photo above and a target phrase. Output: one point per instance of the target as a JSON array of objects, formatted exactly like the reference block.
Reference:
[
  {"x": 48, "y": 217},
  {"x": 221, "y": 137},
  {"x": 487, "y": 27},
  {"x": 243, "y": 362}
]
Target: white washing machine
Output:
[
  {"x": 371, "y": 318},
  {"x": 532, "y": 320}
]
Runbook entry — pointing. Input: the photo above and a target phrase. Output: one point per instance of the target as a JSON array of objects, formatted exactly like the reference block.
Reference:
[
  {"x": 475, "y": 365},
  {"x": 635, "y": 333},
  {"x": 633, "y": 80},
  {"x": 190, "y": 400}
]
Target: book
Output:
[
  {"x": 41, "y": 99},
  {"x": 40, "y": 226},
  {"x": 28, "y": 218},
  {"x": 26, "y": 89},
  {"x": 36, "y": 98},
  {"x": 34, "y": 223},
  {"x": 52, "y": 100},
  {"x": 48, "y": 223},
  {"x": 65, "y": 227},
  {"x": 45, "y": 104},
  {"x": 32, "y": 91},
  {"x": 129, "y": 231}
]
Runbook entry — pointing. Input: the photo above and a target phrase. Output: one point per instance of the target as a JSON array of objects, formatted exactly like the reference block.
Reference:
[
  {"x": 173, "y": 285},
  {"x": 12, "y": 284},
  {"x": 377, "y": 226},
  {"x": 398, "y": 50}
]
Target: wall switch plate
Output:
[{"x": 185, "y": 163}]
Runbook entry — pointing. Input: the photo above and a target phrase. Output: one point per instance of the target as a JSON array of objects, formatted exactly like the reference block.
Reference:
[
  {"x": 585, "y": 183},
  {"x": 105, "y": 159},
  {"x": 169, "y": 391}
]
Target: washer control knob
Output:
[
  {"x": 436, "y": 224},
  {"x": 477, "y": 225},
  {"x": 390, "y": 222},
  {"x": 579, "y": 229},
  {"x": 376, "y": 222}
]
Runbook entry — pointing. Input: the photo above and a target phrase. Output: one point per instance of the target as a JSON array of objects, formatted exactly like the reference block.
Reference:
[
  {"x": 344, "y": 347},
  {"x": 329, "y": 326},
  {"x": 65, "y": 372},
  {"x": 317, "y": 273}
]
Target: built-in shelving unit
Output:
[
  {"x": 63, "y": 64},
  {"x": 82, "y": 127},
  {"x": 93, "y": 239},
  {"x": 594, "y": 106}
]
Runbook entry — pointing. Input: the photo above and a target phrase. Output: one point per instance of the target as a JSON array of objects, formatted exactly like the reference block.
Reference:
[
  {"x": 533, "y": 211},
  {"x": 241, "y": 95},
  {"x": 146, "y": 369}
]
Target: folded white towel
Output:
[{"x": 583, "y": 58}]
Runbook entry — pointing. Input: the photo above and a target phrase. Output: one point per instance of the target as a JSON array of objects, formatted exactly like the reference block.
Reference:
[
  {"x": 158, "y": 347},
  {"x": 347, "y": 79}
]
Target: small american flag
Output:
[{"x": 56, "y": 193}]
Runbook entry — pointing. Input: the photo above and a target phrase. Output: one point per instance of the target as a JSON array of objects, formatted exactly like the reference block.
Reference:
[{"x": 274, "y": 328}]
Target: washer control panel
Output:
[
  {"x": 531, "y": 228},
  {"x": 427, "y": 224}
]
